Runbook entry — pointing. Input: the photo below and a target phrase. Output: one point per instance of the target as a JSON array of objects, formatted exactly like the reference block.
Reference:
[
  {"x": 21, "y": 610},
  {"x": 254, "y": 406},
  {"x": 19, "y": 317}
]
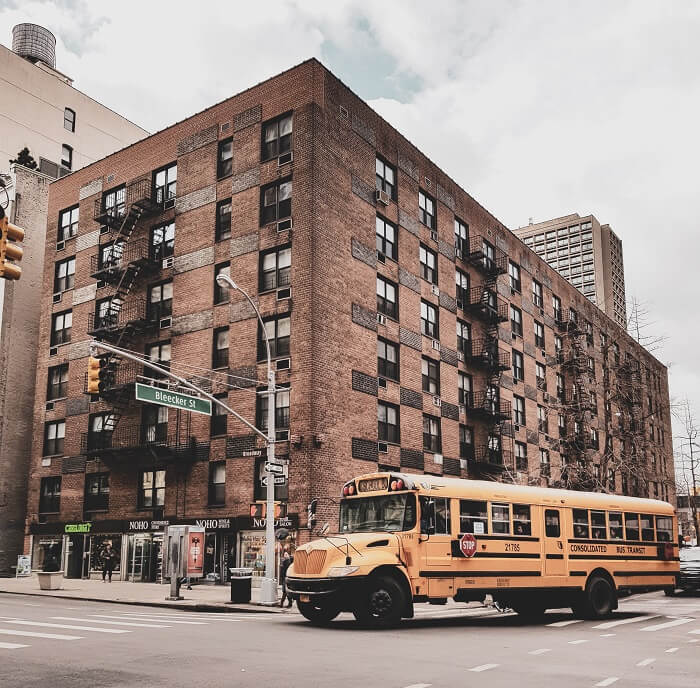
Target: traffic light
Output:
[
  {"x": 95, "y": 378},
  {"x": 9, "y": 252}
]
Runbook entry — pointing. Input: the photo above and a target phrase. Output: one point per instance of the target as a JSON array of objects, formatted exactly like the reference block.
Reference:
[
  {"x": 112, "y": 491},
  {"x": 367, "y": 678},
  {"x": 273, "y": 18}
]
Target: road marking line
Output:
[
  {"x": 621, "y": 622},
  {"x": 672, "y": 650},
  {"x": 191, "y": 623},
  {"x": 110, "y": 623},
  {"x": 420, "y": 685},
  {"x": 694, "y": 640},
  {"x": 68, "y": 626},
  {"x": 667, "y": 624},
  {"x": 607, "y": 682},
  {"x": 14, "y": 646},
  {"x": 541, "y": 651},
  {"x": 186, "y": 615},
  {"x": 561, "y": 624},
  {"x": 607, "y": 635},
  {"x": 647, "y": 661},
  {"x": 577, "y": 642},
  {"x": 484, "y": 667},
  {"x": 36, "y": 634}
]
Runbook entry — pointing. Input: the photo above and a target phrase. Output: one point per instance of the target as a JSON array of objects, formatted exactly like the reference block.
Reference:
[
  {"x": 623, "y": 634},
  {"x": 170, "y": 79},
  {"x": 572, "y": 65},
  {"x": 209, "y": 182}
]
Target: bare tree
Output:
[
  {"x": 688, "y": 466},
  {"x": 640, "y": 326}
]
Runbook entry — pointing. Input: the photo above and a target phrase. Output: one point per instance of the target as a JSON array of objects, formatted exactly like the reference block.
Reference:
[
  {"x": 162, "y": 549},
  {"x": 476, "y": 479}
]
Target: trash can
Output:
[{"x": 241, "y": 579}]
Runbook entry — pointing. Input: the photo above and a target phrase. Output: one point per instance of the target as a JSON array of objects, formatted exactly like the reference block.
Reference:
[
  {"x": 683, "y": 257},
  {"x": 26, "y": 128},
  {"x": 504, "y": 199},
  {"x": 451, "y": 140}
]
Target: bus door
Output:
[
  {"x": 436, "y": 532},
  {"x": 554, "y": 553}
]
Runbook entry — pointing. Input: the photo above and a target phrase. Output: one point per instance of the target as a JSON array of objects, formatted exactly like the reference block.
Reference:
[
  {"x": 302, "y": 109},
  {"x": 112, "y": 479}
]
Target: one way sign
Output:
[{"x": 276, "y": 468}]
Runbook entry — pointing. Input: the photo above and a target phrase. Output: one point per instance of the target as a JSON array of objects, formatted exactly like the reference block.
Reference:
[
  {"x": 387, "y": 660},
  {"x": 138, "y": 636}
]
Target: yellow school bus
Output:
[{"x": 419, "y": 538}]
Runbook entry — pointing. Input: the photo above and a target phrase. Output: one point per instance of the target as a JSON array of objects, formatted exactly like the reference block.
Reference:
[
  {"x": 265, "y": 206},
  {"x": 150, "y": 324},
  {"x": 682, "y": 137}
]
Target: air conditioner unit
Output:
[
  {"x": 381, "y": 382},
  {"x": 381, "y": 257},
  {"x": 462, "y": 409},
  {"x": 282, "y": 435},
  {"x": 165, "y": 322},
  {"x": 516, "y": 427},
  {"x": 104, "y": 229},
  {"x": 57, "y": 297},
  {"x": 462, "y": 463},
  {"x": 382, "y": 447},
  {"x": 437, "y": 401},
  {"x": 49, "y": 405},
  {"x": 283, "y": 364},
  {"x": 433, "y": 235},
  {"x": 53, "y": 351},
  {"x": 436, "y": 345},
  {"x": 169, "y": 203},
  {"x": 284, "y": 225},
  {"x": 437, "y": 458},
  {"x": 224, "y": 127},
  {"x": 382, "y": 197},
  {"x": 381, "y": 319},
  {"x": 460, "y": 356},
  {"x": 436, "y": 290},
  {"x": 100, "y": 284},
  {"x": 284, "y": 293},
  {"x": 168, "y": 262},
  {"x": 285, "y": 159},
  {"x": 60, "y": 245}
]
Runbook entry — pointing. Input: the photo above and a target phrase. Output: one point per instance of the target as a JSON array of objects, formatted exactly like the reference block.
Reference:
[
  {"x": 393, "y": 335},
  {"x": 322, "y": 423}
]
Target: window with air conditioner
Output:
[
  {"x": 165, "y": 185},
  {"x": 224, "y": 158},
  {"x": 461, "y": 238},
  {"x": 429, "y": 320},
  {"x": 275, "y": 268},
  {"x": 385, "y": 176},
  {"x": 428, "y": 264},
  {"x": 281, "y": 411},
  {"x": 163, "y": 241},
  {"x": 388, "y": 429},
  {"x": 276, "y": 137},
  {"x": 432, "y": 434},
  {"x": 64, "y": 275},
  {"x": 387, "y": 359},
  {"x": 278, "y": 331},
  {"x": 431, "y": 376},
  {"x": 276, "y": 201},
  {"x": 387, "y": 297},
  {"x": 426, "y": 210},
  {"x": 386, "y": 235},
  {"x": 68, "y": 223}
]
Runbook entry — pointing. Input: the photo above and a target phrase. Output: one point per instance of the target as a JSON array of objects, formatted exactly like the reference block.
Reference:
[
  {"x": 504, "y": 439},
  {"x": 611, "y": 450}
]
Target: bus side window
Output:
[
  {"x": 664, "y": 528},
  {"x": 632, "y": 526},
  {"x": 551, "y": 523},
  {"x": 581, "y": 523},
  {"x": 473, "y": 517},
  {"x": 598, "y": 525},
  {"x": 442, "y": 516},
  {"x": 647, "y": 525},
  {"x": 427, "y": 515},
  {"x": 615, "y": 523},
  {"x": 521, "y": 519},
  {"x": 500, "y": 518}
]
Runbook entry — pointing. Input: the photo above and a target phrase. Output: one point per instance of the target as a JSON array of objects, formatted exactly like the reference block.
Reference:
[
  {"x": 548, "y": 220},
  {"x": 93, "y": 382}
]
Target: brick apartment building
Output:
[{"x": 410, "y": 330}]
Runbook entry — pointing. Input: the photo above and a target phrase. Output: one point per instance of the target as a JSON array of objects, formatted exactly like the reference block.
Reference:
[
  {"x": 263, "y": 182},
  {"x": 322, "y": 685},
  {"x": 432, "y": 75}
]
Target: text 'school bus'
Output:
[{"x": 413, "y": 538}]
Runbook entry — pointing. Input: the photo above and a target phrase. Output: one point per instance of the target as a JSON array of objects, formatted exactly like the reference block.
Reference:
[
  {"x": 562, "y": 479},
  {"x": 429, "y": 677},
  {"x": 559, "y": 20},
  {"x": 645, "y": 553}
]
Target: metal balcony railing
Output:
[
  {"x": 164, "y": 437},
  {"x": 495, "y": 459},
  {"x": 484, "y": 303},
  {"x": 568, "y": 321},
  {"x": 109, "y": 266},
  {"x": 133, "y": 314},
  {"x": 138, "y": 194},
  {"x": 486, "y": 353},
  {"x": 486, "y": 257},
  {"x": 485, "y": 405}
]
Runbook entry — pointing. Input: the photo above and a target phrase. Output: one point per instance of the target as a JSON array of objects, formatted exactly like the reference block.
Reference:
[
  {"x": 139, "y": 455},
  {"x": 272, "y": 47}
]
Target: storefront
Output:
[
  {"x": 219, "y": 547},
  {"x": 251, "y": 543},
  {"x": 143, "y": 559}
]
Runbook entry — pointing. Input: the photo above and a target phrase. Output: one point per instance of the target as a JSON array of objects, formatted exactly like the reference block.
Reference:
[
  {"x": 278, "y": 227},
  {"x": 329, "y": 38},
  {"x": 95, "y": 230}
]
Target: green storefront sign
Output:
[
  {"x": 164, "y": 397},
  {"x": 77, "y": 527}
]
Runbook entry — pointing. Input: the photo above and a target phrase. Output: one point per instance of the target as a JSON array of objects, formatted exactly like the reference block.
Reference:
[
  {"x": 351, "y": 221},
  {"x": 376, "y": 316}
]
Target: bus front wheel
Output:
[
  {"x": 381, "y": 603},
  {"x": 597, "y": 600},
  {"x": 318, "y": 614}
]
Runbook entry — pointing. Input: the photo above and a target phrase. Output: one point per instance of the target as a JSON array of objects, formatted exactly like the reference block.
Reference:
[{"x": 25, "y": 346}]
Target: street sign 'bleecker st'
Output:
[{"x": 156, "y": 395}]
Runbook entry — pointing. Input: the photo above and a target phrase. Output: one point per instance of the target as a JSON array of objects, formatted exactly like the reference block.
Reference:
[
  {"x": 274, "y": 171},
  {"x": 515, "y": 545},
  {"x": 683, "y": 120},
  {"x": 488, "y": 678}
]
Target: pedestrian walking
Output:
[
  {"x": 286, "y": 562},
  {"x": 109, "y": 557}
]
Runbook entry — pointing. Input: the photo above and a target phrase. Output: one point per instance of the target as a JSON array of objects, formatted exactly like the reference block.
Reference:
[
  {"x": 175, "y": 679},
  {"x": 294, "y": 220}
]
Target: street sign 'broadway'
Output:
[{"x": 156, "y": 395}]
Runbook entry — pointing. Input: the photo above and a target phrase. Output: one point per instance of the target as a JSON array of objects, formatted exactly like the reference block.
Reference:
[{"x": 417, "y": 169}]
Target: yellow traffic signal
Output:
[
  {"x": 10, "y": 252},
  {"x": 94, "y": 374}
]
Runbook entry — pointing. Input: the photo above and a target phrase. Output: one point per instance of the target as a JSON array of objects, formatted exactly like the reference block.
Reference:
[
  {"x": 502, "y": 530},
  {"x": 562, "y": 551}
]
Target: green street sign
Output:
[{"x": 164, "y": 397}]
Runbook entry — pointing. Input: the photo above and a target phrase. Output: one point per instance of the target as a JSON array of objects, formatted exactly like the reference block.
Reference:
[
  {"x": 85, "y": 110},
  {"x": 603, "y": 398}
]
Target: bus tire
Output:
[
  {"x": 318, "y": 614},
  {"x": 670, "y": 591},
  {"x": 382, "y": 603},
  {"x": 598, "y": 599}
]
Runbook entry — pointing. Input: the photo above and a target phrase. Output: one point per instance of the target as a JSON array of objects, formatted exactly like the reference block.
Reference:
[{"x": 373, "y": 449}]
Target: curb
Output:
[{"x": 198, "y": 607}]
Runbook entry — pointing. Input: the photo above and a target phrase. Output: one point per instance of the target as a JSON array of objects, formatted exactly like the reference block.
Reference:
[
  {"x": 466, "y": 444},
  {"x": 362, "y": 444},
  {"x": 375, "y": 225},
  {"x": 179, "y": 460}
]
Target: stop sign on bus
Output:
[{"x": 467, "y": 545}]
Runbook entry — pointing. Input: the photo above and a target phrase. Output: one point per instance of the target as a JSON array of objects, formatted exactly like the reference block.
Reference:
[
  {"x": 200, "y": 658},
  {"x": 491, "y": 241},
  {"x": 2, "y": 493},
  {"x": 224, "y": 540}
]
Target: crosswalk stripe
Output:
[
  {"x": 667, "y": 624},
  {"x": 671, "y": 650},
  {"x": 577, "y": 642},
  {"x": 541, "y": 651},
  {"x": 191, "y": 623},
  {"x": 484, "y": 667},
  {"x": 621, "y": 622},
  {"x": 214, "y": 616},
  {"x": 110, "y": 623},
  {"x": 37, "y": 634},
  {"x": 561, "y": 624},
  {"x": 646, "y": 662},
  {"x": 70, "y": 627},
  {"x": 607, "y": 682},
  {"x": 696, "y": 632},
  {"x": 11, "y": 646}
]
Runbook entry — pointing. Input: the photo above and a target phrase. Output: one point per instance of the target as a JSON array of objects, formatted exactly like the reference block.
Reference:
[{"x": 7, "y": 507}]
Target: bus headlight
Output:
[{"x": 340, "y": 571}]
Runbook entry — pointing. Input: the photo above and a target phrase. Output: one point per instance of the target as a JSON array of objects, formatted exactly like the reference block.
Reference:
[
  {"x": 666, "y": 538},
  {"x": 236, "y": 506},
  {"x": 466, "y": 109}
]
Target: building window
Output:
[
  {"x": 462, "y": 282},
  {"x": 224, "y": 158},
  {"x": 514, "y": 274},
  {"x": 556, "y": 307},
  {"x": 561, "y": 424},
  {"x": 388, "y": 423},
  {"x": 276, "y": 137},
  {"x": 154, "y": 423},
  {"x": 431, "y": 376},
  {"x": 544, "y": 460},
  {"x": 518, "y": 410},
  {"x": 151, "y": 489},
  {"x": 518, "y": 369},
  {"x": 98, "y": 437},
  {"x": 520, "y": 456},
  {"x": 111, "y": 254},
  {"x": 542, "y": 422},
  {"x": 50, "y": 495},
  {"x": 165, "y": 183},
  {"x": 96, "y": 492},
  {"x": 464, "y": 391},
  {"x": 387, "y": 298},
  {"x": 217, "y": 483},
  {"x": 428, "y": 264},
  {"x": 516, "y": 321},
  {"x": 281, "y": 411},
  {"x": 54, "y": 436},
  {"x": 466, "y": 442},
  {"x": 61, "y": 326},
  {"x": 163, "y": 241},
  {"x": 220, "y": 357},
  {"x": 589, "y": 333},
  {"x": 275, "y": 201},
  {"x": 158, "y": 353},
  {"x": 429, "y": 320},
  {"x": 541, "y": 376},
  {"x": 387, "y": 359},
  {"x": 221, "y": 292},
  {"x": 558, "y": 345},
  {"x": 67, "y": 156},
  {"x": 68, "y": 223},
  {"x": 69, "y": 119},
  {"x": 275, "y": 268},
  {"x": 386, "y": 238},
  {"x": 64, "y": 275},
  {"x": 537, "y": 294},
  {"x": 426, "y": 209},
  {"x": 219, "y": 417},
  {"x": 278, "y": 331},
  {"x": 432, "y": 437},
  {"x": 160, "y": 301},
  {"x": 57, "y": 384},
  {"x": 461, "y": 238},
  {"x": 539, "y": 335},
  {"x": 114, "y": 202},
  {"x": 385, "y": 177}
]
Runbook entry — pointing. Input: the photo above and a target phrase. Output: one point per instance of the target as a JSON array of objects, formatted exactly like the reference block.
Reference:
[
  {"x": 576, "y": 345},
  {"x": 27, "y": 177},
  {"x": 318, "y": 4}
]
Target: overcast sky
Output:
[{"x": 538, "y": 108}]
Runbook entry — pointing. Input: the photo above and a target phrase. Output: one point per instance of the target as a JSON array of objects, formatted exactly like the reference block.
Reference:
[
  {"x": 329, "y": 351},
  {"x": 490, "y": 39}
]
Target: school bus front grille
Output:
[
  {"x": 300, "y": 562},
  {"x": 316, "y": 560}
]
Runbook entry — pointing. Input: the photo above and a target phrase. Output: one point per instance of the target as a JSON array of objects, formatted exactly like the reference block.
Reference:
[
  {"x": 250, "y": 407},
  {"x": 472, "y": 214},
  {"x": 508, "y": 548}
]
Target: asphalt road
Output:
[{"x": 651, "y": 641}]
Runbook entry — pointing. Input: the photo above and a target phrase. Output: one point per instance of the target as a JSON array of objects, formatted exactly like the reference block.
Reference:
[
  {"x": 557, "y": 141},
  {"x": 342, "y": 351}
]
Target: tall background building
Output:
[
  {"x": 63, "y": 130},
  {"x": 410, "y": 331},
  {"x": 587, "y": 254}
]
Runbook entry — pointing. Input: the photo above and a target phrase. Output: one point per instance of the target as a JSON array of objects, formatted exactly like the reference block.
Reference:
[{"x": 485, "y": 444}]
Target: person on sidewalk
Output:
[
  {"x": 108, "y": 559},
  {"x": 286, "y": 562}
]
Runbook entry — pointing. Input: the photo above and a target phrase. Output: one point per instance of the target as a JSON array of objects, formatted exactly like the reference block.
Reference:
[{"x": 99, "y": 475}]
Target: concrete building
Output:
[
  {"x": 63, "y": 129},
  {"x": 410, "y": 330},
  {"x": 587, "y": 254}
]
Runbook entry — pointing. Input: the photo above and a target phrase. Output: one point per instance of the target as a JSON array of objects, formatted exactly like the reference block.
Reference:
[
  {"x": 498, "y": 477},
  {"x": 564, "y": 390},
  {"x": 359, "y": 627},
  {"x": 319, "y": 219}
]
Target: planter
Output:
[{"x": 50, "y": 580}]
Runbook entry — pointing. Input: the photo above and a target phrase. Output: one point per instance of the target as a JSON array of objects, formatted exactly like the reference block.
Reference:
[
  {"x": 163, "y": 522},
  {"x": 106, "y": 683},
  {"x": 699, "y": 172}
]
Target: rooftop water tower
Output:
[{"x": 34, "y": 43}]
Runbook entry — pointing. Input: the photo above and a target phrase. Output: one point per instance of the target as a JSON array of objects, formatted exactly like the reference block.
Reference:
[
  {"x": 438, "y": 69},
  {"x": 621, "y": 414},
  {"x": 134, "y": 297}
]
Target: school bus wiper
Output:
[{"x": 348, "y": 545}]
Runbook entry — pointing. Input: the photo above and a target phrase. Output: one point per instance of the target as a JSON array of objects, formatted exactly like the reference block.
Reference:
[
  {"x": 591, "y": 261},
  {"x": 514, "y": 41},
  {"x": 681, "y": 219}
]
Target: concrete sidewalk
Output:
[{"x": 209, "y": 598}]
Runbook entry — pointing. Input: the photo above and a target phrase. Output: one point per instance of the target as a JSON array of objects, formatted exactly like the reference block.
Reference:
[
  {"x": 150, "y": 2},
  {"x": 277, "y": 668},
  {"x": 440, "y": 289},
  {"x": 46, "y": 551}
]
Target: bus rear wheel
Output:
[
  {"x": 317, "y": 613},
  {"x": 597, "y": 600},
  {"x": 381, "y": 604}
]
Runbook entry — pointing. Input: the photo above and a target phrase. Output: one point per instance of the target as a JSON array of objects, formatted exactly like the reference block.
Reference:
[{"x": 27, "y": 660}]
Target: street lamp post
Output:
[{"x": 268, "y": 591}]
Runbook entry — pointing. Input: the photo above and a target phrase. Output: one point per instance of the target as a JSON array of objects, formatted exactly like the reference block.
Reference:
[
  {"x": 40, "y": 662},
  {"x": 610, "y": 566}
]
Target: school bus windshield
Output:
[{"x": 383, "y": 513}]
